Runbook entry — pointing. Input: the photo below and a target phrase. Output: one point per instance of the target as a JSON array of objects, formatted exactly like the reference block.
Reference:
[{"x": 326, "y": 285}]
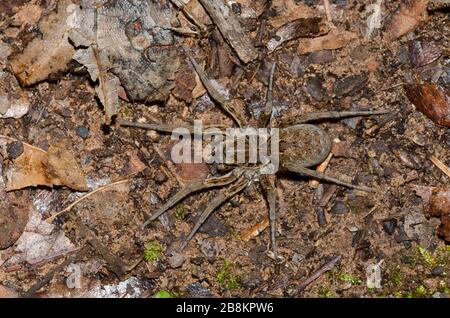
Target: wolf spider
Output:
[{"x": 301, "y": 146}]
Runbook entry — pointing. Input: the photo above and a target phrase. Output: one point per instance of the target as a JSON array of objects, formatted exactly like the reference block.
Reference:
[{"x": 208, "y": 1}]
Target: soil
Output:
[{"x": 389, "y": 153}]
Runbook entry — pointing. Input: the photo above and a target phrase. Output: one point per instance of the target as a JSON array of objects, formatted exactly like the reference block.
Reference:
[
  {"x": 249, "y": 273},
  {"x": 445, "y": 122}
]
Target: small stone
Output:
[
  {"x": 176, "y": 260},
  {"x": 439, "y": 295},
  {"x": 14, "y": 149},
  {"x": 437, "y": 271},
  {"x": 197, "y": 260},
  {"x": 196, "y": 290},
  {"x": 160, "y": 177},
  {"x": 339, "y": 208},
  {"x": 209, "y": 248},
  {"x": 82, "y": 131},
  {"x": 321, "y": 57},
  {"x": 389, "y": 226}
]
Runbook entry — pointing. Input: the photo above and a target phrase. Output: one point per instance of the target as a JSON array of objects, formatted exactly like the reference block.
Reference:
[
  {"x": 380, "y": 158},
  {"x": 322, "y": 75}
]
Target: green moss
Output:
[
  {"x": 325, "y": 292},
  {"x": 396, "y": 277},
  {"x": 226, "y": 276},
  {"x": 427, "y": 257},
  {"x": 180, "y": 211},
  {"x": 127, "y": 110},
  {"x": 164, "y": 294},
  {"x": 354, "y": 280},
  {"x": 153, "y": 251}
]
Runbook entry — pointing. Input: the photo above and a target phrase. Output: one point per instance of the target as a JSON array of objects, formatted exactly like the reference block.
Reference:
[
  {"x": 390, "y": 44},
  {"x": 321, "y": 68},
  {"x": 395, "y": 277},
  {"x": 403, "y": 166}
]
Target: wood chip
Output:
[
  {"x": 335, "y": 39},
  {"x": 255, "y": 230}
]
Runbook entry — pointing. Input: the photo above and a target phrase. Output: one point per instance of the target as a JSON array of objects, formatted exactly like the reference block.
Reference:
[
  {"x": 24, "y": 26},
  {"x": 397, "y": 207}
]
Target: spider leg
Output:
[
  {"x": 215, "y": 94},
  {"x": 321, "y": 176},
  {"x": 308, "y": 117},
  {"x": 269, "y": 191},
  {"x": 264, "y": 120},
  {"x": 164, "y": 128},
  {"x": 223, "y": 196},
  {"x": 192, "y": 188}
]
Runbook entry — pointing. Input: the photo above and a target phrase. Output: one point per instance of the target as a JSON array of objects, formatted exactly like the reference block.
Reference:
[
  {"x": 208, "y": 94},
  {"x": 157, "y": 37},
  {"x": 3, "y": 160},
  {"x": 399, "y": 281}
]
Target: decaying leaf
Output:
[
  {"x": 423, "y": 52},
  {"x": 289, "y": 10},
  {"x": 303, "y": 27},
  {"x": 431, "y": 100},
  {"x": 335, "y": 39},
  {"x": 436, "y": 203},
  {"x": 13, "y": 216},
  {"x": 410, "y": 14},
  {"x": 184, "y": 84},
  {"x": 55, "y": 167},
  {"x": 50, "y": 54},
  {"x": 14, "y": 102},
  {"x": 131, "y": 41},
  {"x": 255, "y": 230}
]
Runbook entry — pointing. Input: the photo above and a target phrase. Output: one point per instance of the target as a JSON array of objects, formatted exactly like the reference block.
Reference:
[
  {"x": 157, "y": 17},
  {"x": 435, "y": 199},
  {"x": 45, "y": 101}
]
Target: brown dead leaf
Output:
[
  {"x": 423, "y": 52},
  {"x": 47, "y": 55},
  {"x": 431, "y": 100},
  {"x": 184, "y": 84},
  {"x": 255, "y": 230},
  {"x": 335, "y": 39},
  {"x": 14, "y": 102},
  {"x": 410, "y": 14},
  {"x": 289, "y": 10},
  {"x": 436, "y": 203},
  {"x": 34, "y": 167},
  {"x": 13, "y": 216},
  {"x": 192, "y": 172}
]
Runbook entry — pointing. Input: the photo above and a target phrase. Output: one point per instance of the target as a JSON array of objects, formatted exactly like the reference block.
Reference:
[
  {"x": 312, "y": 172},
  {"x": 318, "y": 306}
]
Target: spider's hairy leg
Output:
[
  {"x": 215, "y": 94},
  {"x": 308, "y": 117},
  {"x": 321, "y": 176},
  {"x": 223, "y": 196},
  {"x": 271, "y": 197},
  {"x": 195, "y": 187},
  {"x": 264, "y": 120}
]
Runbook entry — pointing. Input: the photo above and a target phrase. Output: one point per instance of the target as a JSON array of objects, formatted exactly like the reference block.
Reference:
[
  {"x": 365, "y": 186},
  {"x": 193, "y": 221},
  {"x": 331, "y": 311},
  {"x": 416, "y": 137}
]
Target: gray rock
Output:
[
  {"x": 196, "y": 290},
  {"x": 209, "y": 248},
  {"x": 176, "y": 260}
]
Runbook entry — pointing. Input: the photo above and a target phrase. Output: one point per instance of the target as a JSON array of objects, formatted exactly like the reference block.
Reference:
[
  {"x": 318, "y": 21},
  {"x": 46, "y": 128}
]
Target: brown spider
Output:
[{"x": 301, "y": 146}]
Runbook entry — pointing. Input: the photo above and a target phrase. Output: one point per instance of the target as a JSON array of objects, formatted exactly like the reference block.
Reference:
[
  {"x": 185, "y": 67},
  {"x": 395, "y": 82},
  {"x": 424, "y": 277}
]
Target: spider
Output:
[{"x": 301, "y": 145}]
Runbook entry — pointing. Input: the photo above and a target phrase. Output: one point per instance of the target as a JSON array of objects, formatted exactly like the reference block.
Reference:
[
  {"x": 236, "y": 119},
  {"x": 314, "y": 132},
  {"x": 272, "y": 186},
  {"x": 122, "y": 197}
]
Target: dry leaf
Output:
[
  {"x": 410, "y": 14},
  {"x": 184, "y": 84},
  {"x": 34, "y": 167},
  {"x": 423, "y": 52},
  {"x": 50, "y": 54},
  {"x": 289, "y": 10},
  {"x": 335, "y": 39},
  {"x": 303, "y": 27},
  {"x": 431, "y": 100},
  {"x": 436, "y": 203},
  {"x": 14, "y": 102},
  {"x": 255, "y": 230}
]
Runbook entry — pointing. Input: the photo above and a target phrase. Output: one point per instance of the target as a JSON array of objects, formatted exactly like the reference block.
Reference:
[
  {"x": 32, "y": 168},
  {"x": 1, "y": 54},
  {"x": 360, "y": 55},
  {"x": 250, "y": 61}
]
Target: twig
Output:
[
  {"x": 231, "y": 29},
  {"x": 326, "y": 4},
  {"x": 321, "y": 168},
  {"x": 49, "y": 276},
  {"x": 440, "y": 165},
  {"x": 325, "y": 268},
  {"x": 105, "y": 187}
]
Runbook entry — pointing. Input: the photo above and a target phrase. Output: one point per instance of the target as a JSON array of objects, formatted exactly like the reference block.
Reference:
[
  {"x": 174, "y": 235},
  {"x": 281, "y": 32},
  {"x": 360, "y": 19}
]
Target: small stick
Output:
[
  {"x": 105, "y": 187},
  {"x": 440, "y": 165},
  {"x": 320, "y": 168},
  {"x": 326, "y": 4},
  {"x": 255, "y": 230},
  {"x": 325, "y": 268}
]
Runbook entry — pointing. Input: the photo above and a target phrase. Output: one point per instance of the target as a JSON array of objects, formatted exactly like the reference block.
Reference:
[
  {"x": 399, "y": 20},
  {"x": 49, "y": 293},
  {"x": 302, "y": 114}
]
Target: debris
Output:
[
  {"x": 6, "y": 292},
  {"x": 196, "y": 290},
  {"x": 389, "y": 226},
  {"x": 438, "y": 163},
  {"x": 423, "y": 52},
  {"x": 14, "y": 102},
  {"x": 255, "y": 230},
  {"x": 374, "y": 20},
  {"x": 210, "y": 249},
  {"x": 339, "y": 208},
  {"x": 231, "y": 29},
  {"x": 373, "y": 273},
  {"x": 50, "y": 54},
  {"x": 176, "y": 260},
  {"x": 82, "y": 131},
  {"x": 285, "y": 11},
  {"x": 325, "y": 268},
  {"x": 335, "y": 39},
  {"x": 410, "y": 14},
  {"x": 321, "y": 168},
  {"x": 350, "y": 85},
  {"x": 431, "y": 100},
  {"x": 55, "y": 167},
  {"x": 300, "y": 28}
]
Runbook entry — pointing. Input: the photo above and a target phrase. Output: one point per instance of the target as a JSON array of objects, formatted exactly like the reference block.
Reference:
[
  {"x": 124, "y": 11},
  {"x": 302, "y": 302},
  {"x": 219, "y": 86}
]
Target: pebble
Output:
[
  {"x": 209, "y": 248},
  {"x": 389, "y": 226},
  {"x": 339, "y": 208},
  {"x": 196, "y": 290},
  {"x": 82, "y": 131},
  {"x": 176, "y": 260},
  {"x": 437, "y": 271},
  {"x": 14, "y": 149}
]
